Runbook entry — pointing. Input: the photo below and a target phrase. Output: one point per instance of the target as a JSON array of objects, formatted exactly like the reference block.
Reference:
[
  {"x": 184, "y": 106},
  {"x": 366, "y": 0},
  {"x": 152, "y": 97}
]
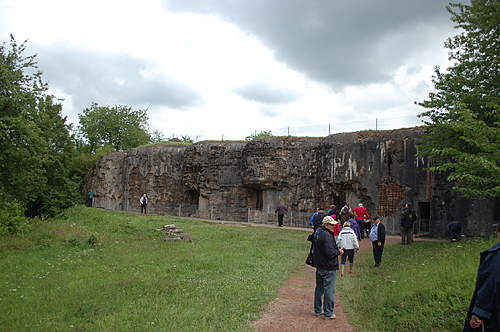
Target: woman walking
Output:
[{"x": 347, "y": 241}]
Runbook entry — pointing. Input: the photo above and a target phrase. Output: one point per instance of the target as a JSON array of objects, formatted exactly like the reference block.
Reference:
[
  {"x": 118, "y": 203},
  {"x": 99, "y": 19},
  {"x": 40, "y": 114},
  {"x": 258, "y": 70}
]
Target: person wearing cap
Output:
[
  {"x": 484, "y": 309},
  {"x": 360, "y": 214},
  {"x": 377, "y": 236},
  {"x": 326, "y": 252},
  {"x": 348, "y": 242}
]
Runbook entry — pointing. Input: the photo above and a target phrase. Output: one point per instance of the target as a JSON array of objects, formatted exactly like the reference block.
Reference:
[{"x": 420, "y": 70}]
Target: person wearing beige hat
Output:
[{"x": 326, "y": 261}]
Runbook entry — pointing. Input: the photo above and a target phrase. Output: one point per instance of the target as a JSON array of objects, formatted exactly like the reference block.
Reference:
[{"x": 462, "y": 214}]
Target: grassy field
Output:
[
  {"x": 423, "y": 287},
  {"x": 52, "y": 279}
]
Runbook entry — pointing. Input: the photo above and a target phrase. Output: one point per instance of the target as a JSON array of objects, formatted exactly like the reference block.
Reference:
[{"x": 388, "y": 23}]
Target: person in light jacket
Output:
[{"x": 348, "y": 241}]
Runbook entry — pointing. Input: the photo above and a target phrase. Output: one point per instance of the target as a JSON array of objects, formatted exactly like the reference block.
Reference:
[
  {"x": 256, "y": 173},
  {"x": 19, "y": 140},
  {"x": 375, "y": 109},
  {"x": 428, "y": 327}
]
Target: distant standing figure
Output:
[
  {"x": 280, "y": 210},
  {"x": 348, "y": 241},
  {"x": 455, "y": 231},
  {"x": 144, "y": 203},
  {"x": 360, "y": 214},
  {"x": 90, "y": 198},
  {"x": 484, "y": 309},
  {"x": 408, "y": 218},
  {"x": 377, "y": 236}
]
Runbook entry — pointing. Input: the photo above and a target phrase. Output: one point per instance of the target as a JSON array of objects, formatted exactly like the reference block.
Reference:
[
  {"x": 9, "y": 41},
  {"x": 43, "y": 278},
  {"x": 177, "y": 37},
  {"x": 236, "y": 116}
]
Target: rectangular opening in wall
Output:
[
  {"x": 192, "y": 197},
  {"x": 255, "y": 199},
  {"x": 424, "y": 216},
  {"x": 259, "y": 201}
]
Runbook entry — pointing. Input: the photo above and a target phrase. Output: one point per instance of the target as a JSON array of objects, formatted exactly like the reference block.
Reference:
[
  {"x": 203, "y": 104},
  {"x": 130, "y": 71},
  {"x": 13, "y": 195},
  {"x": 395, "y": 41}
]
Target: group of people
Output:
[{"x": 329, "y": 241}]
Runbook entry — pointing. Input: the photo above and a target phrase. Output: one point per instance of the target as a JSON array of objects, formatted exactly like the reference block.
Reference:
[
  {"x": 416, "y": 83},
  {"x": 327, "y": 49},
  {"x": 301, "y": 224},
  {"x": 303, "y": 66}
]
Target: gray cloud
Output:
[
  {"x": 109, "y": 80},
  {"x": 336, "y": 42},
  {"x": 263, "y": 93}
]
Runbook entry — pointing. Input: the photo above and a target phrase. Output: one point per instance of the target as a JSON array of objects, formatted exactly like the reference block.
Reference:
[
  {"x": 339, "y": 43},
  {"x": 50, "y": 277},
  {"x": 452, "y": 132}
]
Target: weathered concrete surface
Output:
[{"x": 228, "y": 180}]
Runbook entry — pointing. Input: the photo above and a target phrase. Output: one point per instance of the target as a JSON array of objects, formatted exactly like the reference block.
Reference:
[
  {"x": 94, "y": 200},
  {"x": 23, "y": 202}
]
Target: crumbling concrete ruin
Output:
[{"x": 244, "y": 181}]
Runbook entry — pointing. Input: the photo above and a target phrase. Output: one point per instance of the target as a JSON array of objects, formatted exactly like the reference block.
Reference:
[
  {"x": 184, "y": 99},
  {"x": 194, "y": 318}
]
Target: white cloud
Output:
[{"x": 202, "y": 75}]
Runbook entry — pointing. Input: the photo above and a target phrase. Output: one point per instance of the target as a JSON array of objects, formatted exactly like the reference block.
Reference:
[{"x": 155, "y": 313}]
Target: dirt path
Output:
[{"x": 293, "y": 309}]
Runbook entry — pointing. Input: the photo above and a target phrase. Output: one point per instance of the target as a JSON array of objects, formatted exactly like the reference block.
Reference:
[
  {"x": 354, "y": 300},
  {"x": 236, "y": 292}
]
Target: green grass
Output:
[
  {"x": 52, "y": 279},
  {"x": 423, "y": 287}
]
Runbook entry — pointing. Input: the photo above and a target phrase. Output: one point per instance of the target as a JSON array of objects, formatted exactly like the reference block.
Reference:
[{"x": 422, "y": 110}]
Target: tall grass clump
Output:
[
  {"x": 423, "y": 287},
  {"x": 97, "y": 270}
]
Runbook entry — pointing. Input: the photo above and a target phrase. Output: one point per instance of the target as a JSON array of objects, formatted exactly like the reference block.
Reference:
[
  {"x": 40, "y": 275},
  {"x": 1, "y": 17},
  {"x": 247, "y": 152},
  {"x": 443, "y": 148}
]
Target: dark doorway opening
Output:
[
  {"x": 192, "y": 197},
  {"x": 259, "y": 201},
  {"x": 424, "y": 216}
]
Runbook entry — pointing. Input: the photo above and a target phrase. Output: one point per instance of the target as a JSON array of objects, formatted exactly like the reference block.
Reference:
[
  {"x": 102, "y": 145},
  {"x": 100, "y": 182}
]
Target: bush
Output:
[{"x": 11, "y": 214}]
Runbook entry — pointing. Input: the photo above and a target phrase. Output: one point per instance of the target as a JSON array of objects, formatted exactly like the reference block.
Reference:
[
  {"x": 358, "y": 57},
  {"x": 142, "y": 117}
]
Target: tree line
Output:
[{"x": 44, "y": 160}]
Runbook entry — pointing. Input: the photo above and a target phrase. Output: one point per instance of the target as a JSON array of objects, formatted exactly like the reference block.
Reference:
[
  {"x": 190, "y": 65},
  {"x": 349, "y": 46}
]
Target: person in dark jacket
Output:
[
  {"x": 318, "y": 219},
  {"x": 377, "y": 236},
  {"x": 454, "y": 231},
  {"x": 408, "y": 218},
  {"x": 326, "y": 261},
  {"x": 484, "y": 309}
]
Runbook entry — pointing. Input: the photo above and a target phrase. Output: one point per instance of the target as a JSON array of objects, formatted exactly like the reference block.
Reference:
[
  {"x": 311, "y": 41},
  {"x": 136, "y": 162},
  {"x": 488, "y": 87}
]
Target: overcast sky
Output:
[{"x": 227, "y": 68}]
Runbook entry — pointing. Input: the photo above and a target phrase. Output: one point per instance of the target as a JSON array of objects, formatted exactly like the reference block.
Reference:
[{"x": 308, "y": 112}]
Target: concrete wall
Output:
[{"x": 245, "y": 180}]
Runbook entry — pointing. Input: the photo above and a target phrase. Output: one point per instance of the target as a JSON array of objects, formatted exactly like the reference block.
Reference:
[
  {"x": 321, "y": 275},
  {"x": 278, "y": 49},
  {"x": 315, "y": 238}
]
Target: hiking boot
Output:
[
  {"x": 317, "y": 315},
  {"x": 330, "y": 317}
]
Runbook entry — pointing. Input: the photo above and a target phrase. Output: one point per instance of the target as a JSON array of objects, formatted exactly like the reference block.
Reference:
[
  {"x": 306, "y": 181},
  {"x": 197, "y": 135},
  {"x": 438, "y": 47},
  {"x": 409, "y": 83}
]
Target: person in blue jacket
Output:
[
  {"x": 484, "y": 314},
  {"x": 311, "y": 218}
]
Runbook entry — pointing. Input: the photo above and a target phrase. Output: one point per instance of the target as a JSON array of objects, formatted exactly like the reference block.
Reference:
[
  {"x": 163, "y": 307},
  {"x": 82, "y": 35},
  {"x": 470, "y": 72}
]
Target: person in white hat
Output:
[{"x": 326, "y": 261}]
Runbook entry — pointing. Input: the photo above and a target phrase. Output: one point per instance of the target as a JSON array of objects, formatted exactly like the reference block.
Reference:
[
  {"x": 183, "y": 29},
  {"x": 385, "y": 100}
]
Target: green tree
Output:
[
  {"x": 463, "y": 113},
  {"x": 35, "y": 141},
  {"x": 262, "y": 134},
  {"x": 119, "y": 126}
]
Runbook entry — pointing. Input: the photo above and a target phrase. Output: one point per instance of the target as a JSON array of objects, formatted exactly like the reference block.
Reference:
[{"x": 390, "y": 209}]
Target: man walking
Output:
[
  {"x": 280, "y": 210},
  {"x": 408, "y": 218},
  {"x": 377, "y": 236},
  {"x": 484, "y": 309},
  {"x": 144, "y": 203},
  {"x": 326, "y": 261}
]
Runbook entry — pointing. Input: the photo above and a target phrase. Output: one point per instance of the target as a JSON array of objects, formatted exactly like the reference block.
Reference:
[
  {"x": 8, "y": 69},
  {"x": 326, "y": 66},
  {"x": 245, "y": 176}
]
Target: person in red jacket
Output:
[
  {"x": 336, "y": 226},
  {"x": 360, "y": 214}
]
